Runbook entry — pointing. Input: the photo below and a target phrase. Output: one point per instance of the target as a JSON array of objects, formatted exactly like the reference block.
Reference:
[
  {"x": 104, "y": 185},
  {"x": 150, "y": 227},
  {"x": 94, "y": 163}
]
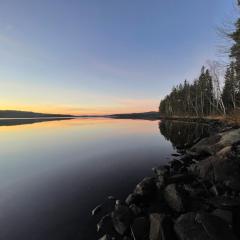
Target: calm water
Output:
[{"x": 53, "y": 173}]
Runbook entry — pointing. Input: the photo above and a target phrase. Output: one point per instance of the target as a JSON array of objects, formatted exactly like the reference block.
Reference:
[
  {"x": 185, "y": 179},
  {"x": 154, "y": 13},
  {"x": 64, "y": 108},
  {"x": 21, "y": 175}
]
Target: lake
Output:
[{"x": 53, "y": 173}]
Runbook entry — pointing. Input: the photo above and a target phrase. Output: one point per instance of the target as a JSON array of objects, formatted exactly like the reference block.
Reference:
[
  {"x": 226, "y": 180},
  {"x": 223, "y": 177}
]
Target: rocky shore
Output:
[{"x": 195, "y": 197}]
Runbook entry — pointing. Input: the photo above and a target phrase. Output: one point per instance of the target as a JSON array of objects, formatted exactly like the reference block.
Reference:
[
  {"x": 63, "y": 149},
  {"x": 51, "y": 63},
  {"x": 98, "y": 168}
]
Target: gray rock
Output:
[
  {"x": 121, "y": 218},
  {"x": 140, "y": 228},
  {"x": 156, "y": 231},
  {"x": 147, "y": 187},
  {"x": 173, "y": 198}
]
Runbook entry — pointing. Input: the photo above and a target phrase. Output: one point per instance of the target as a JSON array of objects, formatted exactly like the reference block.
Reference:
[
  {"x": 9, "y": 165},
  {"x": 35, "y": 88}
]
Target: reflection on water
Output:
[
  {"x": 184, "y": 134},
  {"x": 23, "y": 121},
  {"x": 53, "y": 173}
]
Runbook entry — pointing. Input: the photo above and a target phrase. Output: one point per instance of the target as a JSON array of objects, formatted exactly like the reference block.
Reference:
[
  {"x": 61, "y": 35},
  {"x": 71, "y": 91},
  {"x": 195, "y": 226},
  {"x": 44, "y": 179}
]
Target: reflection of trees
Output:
[{"x": 183, "y": 134}]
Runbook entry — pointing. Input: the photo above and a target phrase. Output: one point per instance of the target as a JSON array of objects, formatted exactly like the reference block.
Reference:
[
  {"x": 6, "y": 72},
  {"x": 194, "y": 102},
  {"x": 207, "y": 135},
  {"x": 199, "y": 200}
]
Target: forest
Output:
[{"x": 205, "y": 96}]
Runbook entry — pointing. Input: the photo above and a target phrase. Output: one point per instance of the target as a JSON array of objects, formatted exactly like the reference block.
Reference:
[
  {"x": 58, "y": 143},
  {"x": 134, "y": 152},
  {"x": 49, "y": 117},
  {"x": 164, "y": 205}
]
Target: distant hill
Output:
[
  {"x": 145, "y": 115},
  {"x": 24, "y": 114}
]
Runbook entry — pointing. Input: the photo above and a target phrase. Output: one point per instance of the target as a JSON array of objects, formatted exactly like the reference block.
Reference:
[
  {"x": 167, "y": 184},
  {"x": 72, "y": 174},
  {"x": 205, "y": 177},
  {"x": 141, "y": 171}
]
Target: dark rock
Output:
[
  {"x": 223, "y": 214},
  {"x": 135, "y": 209},
  {"x": 176, "y": 155},
  {"x": 133, "y": 198},
  {"x": 215, "y": 227},
  {"x": 176, "y": 165},
  {"x": 105, "y": 225},
  {"x": 97, "y": 209},
  {"x": 161, "y": 171},
  {"x": 160, "y": 182},
  {"x": 224, "y": 202},
  {"x": 187, "y": 228},
  {"x": 183, "y": 178},
  {"x": 121, "y": 218},
  {"x": 223, "y": 167},
  {"x": 202, "y": 226},
  {"x": 161, "y": 227},
  {"x": 173, "y": 198},
  {"x": 147, "y": 187},
  {"x": 140, "y": 228}
]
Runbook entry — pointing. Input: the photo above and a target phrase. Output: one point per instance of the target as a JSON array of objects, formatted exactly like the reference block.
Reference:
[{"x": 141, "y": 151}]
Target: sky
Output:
[{"x": 108, "y": 56}]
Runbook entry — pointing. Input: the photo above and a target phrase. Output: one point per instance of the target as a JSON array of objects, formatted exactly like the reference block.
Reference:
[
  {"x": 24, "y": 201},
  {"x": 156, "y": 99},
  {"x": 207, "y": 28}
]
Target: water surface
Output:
[{"x": 53, "y": 173}]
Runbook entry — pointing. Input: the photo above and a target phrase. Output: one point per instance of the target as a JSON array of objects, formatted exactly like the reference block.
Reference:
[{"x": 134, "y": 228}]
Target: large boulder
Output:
[
  {"x": 211, "y": 145},
  {"x": 223, "y": 167},
  {"x": 146, "y": 188},
  {"x": 202, "y": 226},
  {"x": 174, "y": 198}
]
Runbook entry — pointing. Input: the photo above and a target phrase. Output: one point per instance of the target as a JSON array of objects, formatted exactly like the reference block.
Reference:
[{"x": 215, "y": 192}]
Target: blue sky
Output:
[{"x": 91, "y": 56}]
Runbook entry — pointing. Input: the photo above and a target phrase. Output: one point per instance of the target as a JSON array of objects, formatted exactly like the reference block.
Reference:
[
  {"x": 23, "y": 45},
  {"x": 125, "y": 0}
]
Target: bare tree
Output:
[{"x": 216, "y": 71}]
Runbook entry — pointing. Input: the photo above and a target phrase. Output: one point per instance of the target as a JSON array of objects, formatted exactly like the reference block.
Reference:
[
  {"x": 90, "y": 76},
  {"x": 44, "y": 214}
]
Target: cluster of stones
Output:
[{"x": 195, "y": 197}]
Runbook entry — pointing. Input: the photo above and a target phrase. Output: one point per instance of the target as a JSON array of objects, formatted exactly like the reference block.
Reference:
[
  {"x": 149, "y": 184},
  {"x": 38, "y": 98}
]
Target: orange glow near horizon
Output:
[{"x": 126, "y": 106}]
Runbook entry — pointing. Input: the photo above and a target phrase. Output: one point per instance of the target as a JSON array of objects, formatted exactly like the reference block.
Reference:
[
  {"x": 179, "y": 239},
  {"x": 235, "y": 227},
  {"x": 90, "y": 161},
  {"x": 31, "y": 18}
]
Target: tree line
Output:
[{"x": 204, "y": 96}]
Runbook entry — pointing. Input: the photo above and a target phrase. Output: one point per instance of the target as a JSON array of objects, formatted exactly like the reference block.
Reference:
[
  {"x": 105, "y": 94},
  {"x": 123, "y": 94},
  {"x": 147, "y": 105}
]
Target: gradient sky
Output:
[{"x": 103, "y": 56}]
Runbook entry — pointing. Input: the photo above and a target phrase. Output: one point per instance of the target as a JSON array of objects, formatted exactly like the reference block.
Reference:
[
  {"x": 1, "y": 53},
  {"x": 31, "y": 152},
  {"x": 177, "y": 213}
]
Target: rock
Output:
[
  {"x": 174, "y": 198},
  {"x": 183, "y": 178},
  {"x": 133, "y": 198},
  {"x": 215, "y": 227},
  {"x": 105, "y": 225},
  {"x": 202, "y": 226},
  {"x": 175, "y": 154},
  {"x": 121, "y": 218},
  {"x": 161, "y": 227},
  {"x": 176, "y": 165},
  {"x": 223, "y": 167},
  {"x": 147, "y": 187},
  {"x": 135, "y": 209},
  {"x": 223, "y": 214},
  {"x": 211, "y": 145},
  {"x": 161, "y": 171},
  {"x": 186, "y": 228},
  {"x": 224, "y": 202},
  {"x": 140, "y": 228},
  {"x": 156, "y": 231},
  {"x": 105, "y": 237},
  {"x": 97, "y": 209}
]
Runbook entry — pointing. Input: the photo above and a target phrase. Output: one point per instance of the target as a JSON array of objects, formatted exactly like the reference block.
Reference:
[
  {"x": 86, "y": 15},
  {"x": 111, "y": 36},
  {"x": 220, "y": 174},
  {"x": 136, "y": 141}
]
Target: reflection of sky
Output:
[
  {"x": 103, "y": 56},
  {"x": 50, "y": 169}
]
